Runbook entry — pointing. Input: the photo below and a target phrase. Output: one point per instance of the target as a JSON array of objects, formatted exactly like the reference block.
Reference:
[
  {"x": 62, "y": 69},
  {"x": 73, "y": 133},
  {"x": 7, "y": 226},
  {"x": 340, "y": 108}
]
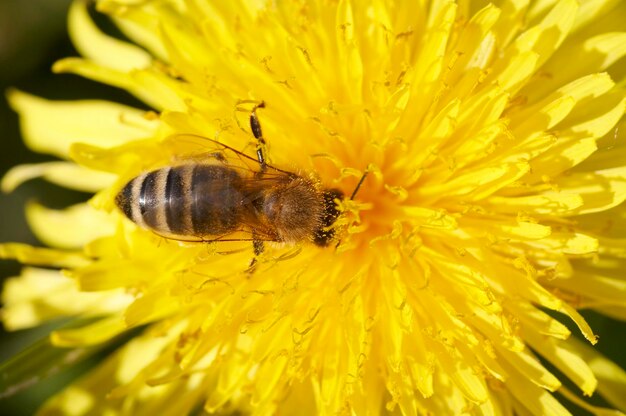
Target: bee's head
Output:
[{"x": 324, "y": 234}]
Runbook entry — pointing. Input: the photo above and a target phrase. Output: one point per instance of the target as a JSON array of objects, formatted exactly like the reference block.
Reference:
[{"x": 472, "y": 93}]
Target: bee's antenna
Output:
[{"x": 358, "y": 185}]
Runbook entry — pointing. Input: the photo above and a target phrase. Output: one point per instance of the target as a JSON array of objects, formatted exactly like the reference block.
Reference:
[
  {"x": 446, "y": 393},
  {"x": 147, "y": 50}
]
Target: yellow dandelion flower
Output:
[{"x": 492, "y": 136}]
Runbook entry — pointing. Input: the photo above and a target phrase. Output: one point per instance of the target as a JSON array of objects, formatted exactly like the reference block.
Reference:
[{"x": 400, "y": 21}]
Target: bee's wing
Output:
[
  {"x": 190, "y": 146},
  {"x": 256, "y": 234},
  {"x": 251, "y": 232}
]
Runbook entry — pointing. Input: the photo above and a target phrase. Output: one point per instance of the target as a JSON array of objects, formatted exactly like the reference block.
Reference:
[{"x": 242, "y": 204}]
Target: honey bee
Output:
[{"x": 198, "y": 201}]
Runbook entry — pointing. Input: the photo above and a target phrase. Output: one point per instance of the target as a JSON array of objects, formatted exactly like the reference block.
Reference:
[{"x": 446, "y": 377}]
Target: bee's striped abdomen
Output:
[
  {"x": 176, "y": 203},
  {"x": 187, "y": 200},
  {"x": 217, "y": 200}
]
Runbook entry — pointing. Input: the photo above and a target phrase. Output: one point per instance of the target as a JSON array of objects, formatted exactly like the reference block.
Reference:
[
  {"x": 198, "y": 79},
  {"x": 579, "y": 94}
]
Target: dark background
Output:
[{"x": 33, "y": 36}]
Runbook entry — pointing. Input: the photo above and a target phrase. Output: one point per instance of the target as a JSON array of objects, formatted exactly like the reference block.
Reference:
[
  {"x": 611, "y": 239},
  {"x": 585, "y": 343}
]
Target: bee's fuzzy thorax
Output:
[{"x": 294, "y": 210}]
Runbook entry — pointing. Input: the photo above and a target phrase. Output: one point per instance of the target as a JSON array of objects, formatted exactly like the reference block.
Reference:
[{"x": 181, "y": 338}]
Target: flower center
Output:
[{"x": 377, "y": 209}]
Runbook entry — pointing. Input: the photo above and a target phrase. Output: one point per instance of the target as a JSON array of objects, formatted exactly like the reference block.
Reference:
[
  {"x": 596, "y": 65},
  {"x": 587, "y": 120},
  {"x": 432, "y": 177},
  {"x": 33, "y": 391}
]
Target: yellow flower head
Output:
[{"x": 492, "y": 137}]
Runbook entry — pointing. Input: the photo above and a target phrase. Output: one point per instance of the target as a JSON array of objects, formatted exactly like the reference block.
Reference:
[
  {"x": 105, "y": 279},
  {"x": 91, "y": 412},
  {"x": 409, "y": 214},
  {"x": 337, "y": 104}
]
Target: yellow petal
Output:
[
  {"x": 594, "y": 54},
  {"x": 537, "y": 320},
  {"x": 72, "y": 227},
  {"x": 523, "y": 286},
  {"x": 52, "y": 126},
  {"x": 96, "y": 333},
  {"x": 530, "y": 368},
  {"x": 595, "y": 117},
  {"x": 565, "y": 359},
  {"x": 39, "y": 295},
  {"x": 109, "y": 275},
  {"x": 508, "y": 229},
  {"x": 130, "y": 367},
  {"x": 555, "y": 107},
  {"x": 42, "y": 256},
  {"x": 594, "y": 287},
  {"x": 102, "y": 49},
  {"x": 134, "y": 157},
  {"x": 152, "y": 87},
  {"x": 611, "y": 378},
  {"x": 569, "y": 243},
  {"x": 594, "y": 410},
  {"x": 140, "y": 26},
  {"x": 549, "y": 203},
  {"x": 151, "y": 307},
  {"x": 438, "y": 129},
  {"x": 610, "y": 46},
  {"x": 547, "y": 36},
  {"x": 476, "y": 44},
  {"x": 591, "y": 10},
  {"x": 578, "y": 319},
  {"x": 535, "y": 399},
  {"x": 511, "y": 74},
  {"x": 430, "y": 218},
  {"x": 570, "y": 152},
  {"x": 600, "y": 190},
  {"x": 441, "y": 17},
  {"x": 511, "y": 20},
  {"x": 476, "y": 184},
  {"x": 66, "y": 174}
]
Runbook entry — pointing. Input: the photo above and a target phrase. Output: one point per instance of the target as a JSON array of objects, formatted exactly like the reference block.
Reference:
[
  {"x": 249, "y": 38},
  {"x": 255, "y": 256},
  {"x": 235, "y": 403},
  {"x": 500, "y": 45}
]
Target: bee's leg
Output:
[
  {"x": 258, "y": 249},
  {"x": 255, "y": 126}
]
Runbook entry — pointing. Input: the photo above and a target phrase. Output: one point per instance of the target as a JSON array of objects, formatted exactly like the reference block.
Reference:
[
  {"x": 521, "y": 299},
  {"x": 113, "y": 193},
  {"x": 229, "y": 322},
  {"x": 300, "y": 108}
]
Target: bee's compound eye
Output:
[
  {"x": 331, "y": 213},
  {"x": 324, "y": 235}
]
